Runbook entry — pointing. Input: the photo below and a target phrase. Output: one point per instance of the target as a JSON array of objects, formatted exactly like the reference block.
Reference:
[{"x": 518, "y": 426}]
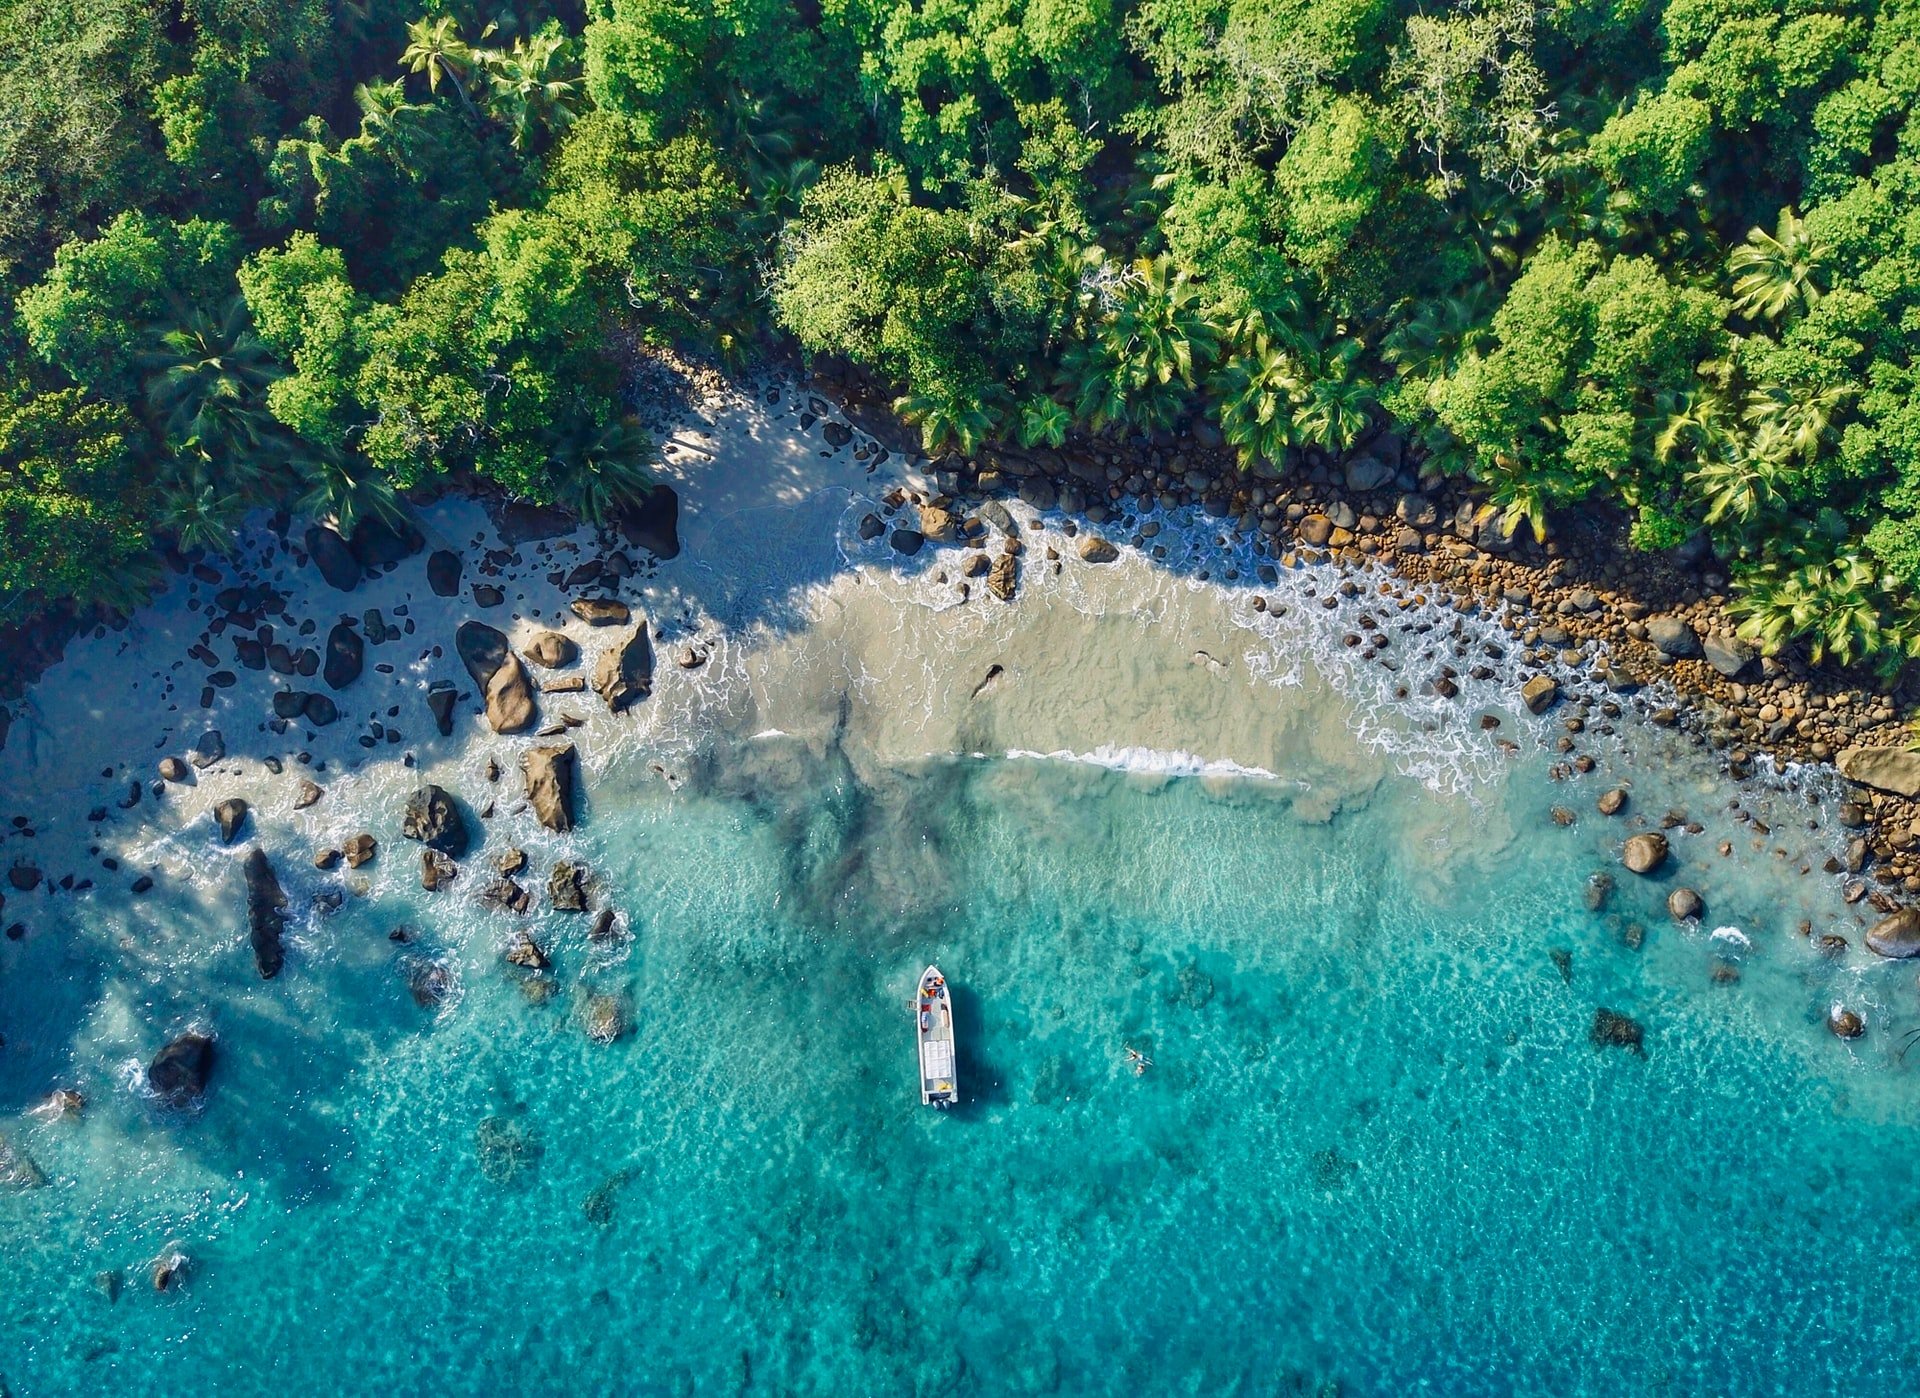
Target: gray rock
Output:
[
  {"x": 624, "y": 672},
  {"x": 333, "y": 558},
  {"x": 443, "y": 572},
  {"x": 602, "y": 611},
  {"x": 1896, "y": 770},
  {"x": 1896, "y": 935},
  {"x": 440, "y": 701},
  {"x": 1417, "y": 511},
  {"x": 1367, "y": 473},
  {"x": 266, "y": 914},
  {"x": 319, "y": 710},
  {"x": 208, "y": 748},
  {"x": 907, "y": 542},
  {"x": 432, "y": 818},
  {"x": 1727, "y": 654},
  {"x": 995, "y": 513},
  {"x": 549, "y": 773},
  {"x": 1672, "y": 636}
]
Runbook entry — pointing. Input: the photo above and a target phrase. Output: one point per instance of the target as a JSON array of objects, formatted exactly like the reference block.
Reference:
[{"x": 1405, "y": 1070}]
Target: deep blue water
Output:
[{"x": 1376, "y": 1152}]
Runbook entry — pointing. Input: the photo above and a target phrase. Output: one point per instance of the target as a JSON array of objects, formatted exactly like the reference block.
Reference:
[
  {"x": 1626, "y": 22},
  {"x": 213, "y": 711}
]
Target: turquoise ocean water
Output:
[
  {"x": 1376, "y": 1152},
  {"x": 1375, "y": 1149}
]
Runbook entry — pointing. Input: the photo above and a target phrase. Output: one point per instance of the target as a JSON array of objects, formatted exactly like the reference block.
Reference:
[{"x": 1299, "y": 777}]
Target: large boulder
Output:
[
  {"x": 549, "y": 772},
  {"x": 1094, "y": 549},
  {"x": 432, "y": 818},
  {"x": 1672, "y": 636},
  {"x": 1004, "y": 576},
  {"x": 1540, "y": 693},
  {"x": 1644, "y": 853},
  {"x": 376, "y": 543},
  {"x": 654, "y": 523},
  {"x": 1885, "y": 769},
  {"x": 1611, "y": 1029},
  {"x": 602, "y": 611},
  {"x": 333, "y": 558},
  {"x": 499, "y": 673},
  {"x": 1896, "y": 935},
  {"x": 444, "y": 568},
  {"x": 266, "y": 914},
  {"x": 624, "y": 672},
  {"x": 230, "y": 815},
  {"x": 1367, "y": 473},
  {"x": 345, "y": 654},
  {"x": 179, "y": 1072},
  {"x": 566, "y": 888}
]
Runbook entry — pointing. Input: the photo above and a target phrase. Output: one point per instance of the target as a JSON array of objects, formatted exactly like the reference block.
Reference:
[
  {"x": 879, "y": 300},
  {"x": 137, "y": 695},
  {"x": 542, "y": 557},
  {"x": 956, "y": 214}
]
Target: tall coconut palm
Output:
[
  {"x": 529, "y": 90},
  {"x": 1774, "y": 274},
  {"x": 435, "y": 48},
  {"x": 206, "y": 384}
]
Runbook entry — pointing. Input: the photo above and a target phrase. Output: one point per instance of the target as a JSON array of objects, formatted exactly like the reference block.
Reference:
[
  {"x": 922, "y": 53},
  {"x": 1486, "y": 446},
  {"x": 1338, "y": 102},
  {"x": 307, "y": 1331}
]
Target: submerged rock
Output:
[
  {"x": 1845, "y": 1023},
  {"x": 17, "y": 1169},
  {"x": 549, "y": 772},
  {"x": 432, "y": 818},
  {"x": 605, "y": 1017},
  {"x": 508, "y": 1151},
  {"x": 1611, "y": 1029},
  {"x": 429, "y": 982},
  {"x": 266, "y": 914},
  {"x": 624, "y": 673},
  {"x": 179, "y": 1072},
  {"x": 565, "y": 889}
]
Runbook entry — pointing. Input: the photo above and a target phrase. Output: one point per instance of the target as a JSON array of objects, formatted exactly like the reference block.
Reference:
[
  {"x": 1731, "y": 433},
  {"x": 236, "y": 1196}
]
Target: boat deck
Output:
[{"x": 933, "y": 1025}]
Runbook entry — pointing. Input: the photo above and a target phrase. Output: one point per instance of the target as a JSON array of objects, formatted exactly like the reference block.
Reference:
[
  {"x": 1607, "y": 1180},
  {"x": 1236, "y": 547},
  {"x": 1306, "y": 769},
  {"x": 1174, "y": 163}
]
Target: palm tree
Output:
[
  {"x": 1698, "y": 421},
  {"x": 434, "y": 47},
  {"x": 206, "y": 384},
  {"x": 1741, "y": 486},
  {"x": 1044, "y": 419},
  {"x": 349, "y": 490},
  {"x": 1773, "y": 273},
  {"x": 1339, "y": 403},
  {"x": 1255, "y": 396},
  {"x": 1831, "y": 602},
  {"x": 199, "y": 516},
  {"x": 600, "y": 469},
  {"x": 386, "y": 117},
  {"x": 1142, "y": 358},
  {"x": 1800, "y": 414},
  {"x": 1442, "y": 332},
  {"x": 526, "y": 92},
  {"x": 950, "y": 419}
]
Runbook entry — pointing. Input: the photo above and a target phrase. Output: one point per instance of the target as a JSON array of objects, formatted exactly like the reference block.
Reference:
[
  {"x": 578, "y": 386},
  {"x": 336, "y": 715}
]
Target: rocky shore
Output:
[{"x": 1584, "y": 603}]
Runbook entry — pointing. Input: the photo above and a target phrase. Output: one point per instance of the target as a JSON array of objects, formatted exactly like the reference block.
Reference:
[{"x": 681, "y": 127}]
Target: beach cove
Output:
[{"x": 1443, "y": 1097}]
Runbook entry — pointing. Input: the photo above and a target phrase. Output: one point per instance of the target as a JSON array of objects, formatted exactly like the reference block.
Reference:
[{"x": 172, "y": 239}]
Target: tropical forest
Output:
[{"x": 1657, "y": 257}]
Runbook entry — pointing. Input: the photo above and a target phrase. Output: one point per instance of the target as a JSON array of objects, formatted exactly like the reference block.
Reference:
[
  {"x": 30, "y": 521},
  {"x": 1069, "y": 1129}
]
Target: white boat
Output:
[{"x": 933, "y": 1018}]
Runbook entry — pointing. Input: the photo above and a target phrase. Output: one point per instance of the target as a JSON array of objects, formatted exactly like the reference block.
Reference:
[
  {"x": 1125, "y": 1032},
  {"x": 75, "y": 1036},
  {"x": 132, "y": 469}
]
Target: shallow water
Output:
[{"x": 1375, "y": 1153}]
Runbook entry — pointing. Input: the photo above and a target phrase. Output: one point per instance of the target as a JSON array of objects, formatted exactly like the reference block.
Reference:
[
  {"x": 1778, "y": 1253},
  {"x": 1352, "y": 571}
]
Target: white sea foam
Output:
[{"x": 1150, "y": 760}]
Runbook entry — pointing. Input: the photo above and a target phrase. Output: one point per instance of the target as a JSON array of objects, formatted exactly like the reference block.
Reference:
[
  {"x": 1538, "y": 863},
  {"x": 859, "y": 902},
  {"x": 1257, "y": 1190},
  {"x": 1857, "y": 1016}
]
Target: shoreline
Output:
[
  {"x": 1583, "y": 602},
  {"x": 775, "y": 493}
]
